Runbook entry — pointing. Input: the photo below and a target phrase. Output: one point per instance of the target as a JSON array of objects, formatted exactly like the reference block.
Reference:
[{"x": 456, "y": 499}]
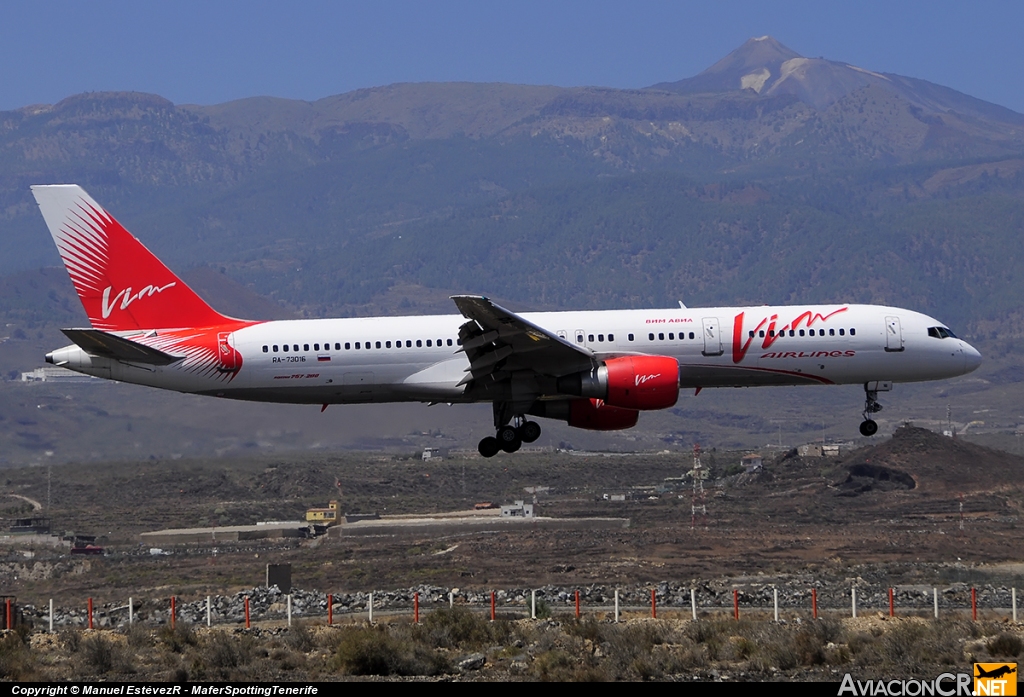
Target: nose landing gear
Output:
[
  {"x": 868, "y": 427},
  {"x": 510, "y": 437}
]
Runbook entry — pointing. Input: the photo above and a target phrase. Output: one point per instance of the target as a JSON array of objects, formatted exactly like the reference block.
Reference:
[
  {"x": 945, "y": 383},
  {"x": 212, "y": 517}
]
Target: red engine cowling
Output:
[
  {"x": 643, "y": 382},
  {"x": 595, "y": 415}
]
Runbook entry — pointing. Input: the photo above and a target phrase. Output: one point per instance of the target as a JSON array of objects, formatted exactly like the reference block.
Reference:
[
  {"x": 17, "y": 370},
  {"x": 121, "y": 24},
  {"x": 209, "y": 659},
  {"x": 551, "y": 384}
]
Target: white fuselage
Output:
[{"x": 418, "y": 358}]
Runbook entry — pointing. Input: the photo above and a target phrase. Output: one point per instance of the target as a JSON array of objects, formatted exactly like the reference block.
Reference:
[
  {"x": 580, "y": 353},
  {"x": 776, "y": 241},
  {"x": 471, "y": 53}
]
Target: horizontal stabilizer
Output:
[{"x": 96, "y": 342}]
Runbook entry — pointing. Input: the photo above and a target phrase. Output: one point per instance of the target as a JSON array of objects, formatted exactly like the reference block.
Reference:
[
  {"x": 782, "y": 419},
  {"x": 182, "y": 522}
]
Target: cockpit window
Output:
[{"x": 940, "y": 333}]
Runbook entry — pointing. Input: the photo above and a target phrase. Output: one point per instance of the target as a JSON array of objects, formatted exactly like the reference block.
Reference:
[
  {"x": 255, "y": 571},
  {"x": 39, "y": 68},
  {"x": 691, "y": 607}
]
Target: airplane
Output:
[{"x": 594, "y": 370}]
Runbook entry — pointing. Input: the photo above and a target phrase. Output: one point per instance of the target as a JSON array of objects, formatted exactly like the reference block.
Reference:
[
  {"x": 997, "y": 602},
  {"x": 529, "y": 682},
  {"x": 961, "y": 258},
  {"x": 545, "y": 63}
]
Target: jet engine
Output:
[
  {"x": 589, "y": 414},
  {"x": 629, "y": 382}
]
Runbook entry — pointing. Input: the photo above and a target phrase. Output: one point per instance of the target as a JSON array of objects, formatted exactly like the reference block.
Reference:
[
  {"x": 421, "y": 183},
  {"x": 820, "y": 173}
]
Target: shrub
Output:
[
  {"x": 374, "y": 651},
  {"x": 1006, "y": 645}
]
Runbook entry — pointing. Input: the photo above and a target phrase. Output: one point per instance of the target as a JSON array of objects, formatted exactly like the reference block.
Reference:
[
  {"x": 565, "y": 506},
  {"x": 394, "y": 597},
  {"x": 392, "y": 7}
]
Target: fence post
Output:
[
  {"x": 90, "y": 613},
  {"x": 1013, "y": 595},
  {"x": 131, "y": 611},
  {"x": 935, "y": 601},
  {"x": 736, "y": 603},
  {"x": 492, "y": 607},
  {"x": 853, "y": 602},
  {"x": 693, "y": 603},
  {"x": 289, "y": 609},
  {"x": 51, "y": 615},
  {"x": 416, "y": 608},
  {"x": 8, "y": 613},
  {"x": 247, "y": 623},
  {"x": 577, "y": 604},
  {"x": 654, "y": 604},
  {"x": 616, "y": 606},
  {"x": 369, "y": 607},
  {"x": 974, "y": 605},
  {"x": 892, "y": 603},
  {"x": 776, "y": 599},
  {"x": 209, "y": 611},
  {"x": 173, "y": 611},
  {"x": 330, "y": 609},
  {"x": 533, "y": 604},
  {"x": 451, "y": 600}
]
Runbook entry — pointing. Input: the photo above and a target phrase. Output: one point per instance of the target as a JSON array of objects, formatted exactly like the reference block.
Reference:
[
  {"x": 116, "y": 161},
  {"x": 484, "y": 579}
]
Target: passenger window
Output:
[
  {"x": 449, "y": 342},
  {"x": 408, "y": 344},
  {"x": 286, "y": 348},
  {"x": 378, "y": 344},
  {"x": 316, "y": 347},
  {"x": 691, "y": 335},
  {"x": 428, "y": 343},
  {"x": 439, "y": 343},
  {"x": 357, "y": 345},
  {"x": 348, "y": 345},
  {"x": 337, "y": 347},
  {"x": 419, "y": 343},
  {"x": 842, "y": 332},
  {"x": 600, "y": 337},
  {"x": 611, "y": 337},
  {"x": 853, "y": 332},
  {"x": 650, "y": 337},
  {"x": 671, "y": 336},
  {"x": 295, "y": 347},
  {"x": 266, "y": 349},
  {"x": 761, "y": 333},
  {"x": 801, "y": 332},
  {"x": 629, "y": 336},
  {"x": 387, "y": 344},
  {"x": 275, "y": 348},
  {"x": 831, "y": 332},
  {"x": 305, "y": 347},
  {"x": 579, "y": 338},
  {"x": 751, "y": 333},
  {"x": 792, "y": 333},
  {"x": 661, "y": 337}
]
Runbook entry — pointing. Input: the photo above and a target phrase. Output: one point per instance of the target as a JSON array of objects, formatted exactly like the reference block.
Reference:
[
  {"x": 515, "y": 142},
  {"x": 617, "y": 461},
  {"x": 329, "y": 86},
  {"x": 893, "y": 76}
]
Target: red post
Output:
[
  {"x": 330, "y": 609},
  {"x": 173, "y": 613},
  {"x": 416, "y": 608},
  {"x": 90, "y": 613},
  {"x": 247, "y": 625},
  {"x": 892, "y": 603},
  {"x": 492, "y": 607},
  {"x": 654, "y": 604},
  {"x": 8, "y": 625},
  {"x": 814, "y": 602},
  {"x": 577, "y": 604},
  {"x": 736, "y": 603},
  {"x": 974, "y": 605}
]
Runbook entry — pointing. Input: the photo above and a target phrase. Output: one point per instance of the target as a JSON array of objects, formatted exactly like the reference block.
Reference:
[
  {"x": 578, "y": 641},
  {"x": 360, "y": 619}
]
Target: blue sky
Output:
[{"x": 211, "y": 52}]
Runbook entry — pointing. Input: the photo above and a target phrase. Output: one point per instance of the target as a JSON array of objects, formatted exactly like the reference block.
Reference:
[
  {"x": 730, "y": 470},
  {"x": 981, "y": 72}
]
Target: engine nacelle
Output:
[
  {"x": 630, "y": 382},
  {"x": 590, "y": 414}
]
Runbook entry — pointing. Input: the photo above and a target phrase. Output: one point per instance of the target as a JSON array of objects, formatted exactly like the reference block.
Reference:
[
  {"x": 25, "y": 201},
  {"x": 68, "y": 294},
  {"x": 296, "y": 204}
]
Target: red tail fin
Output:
[{"x": 121, "y": 284}]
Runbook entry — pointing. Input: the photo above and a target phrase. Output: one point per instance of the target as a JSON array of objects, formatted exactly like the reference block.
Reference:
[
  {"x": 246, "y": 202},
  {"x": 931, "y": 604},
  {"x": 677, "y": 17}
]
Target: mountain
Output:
[
  {"x": 769, "y": 177},
  {"x": 767, "y": 68}
]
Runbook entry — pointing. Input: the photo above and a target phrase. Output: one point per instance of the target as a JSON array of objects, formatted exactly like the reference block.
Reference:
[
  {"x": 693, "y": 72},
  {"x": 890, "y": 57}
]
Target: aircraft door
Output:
[
  {"x": 228, "y": 359},
  {"x": 893, "y": 335},
  {"x": 580, "y": 337},
  {"x": 712, "y": 337}
]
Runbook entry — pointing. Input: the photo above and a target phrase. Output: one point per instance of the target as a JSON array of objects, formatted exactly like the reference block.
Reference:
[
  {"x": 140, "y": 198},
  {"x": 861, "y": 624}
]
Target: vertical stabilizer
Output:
[{"x": 121, "y": 284}]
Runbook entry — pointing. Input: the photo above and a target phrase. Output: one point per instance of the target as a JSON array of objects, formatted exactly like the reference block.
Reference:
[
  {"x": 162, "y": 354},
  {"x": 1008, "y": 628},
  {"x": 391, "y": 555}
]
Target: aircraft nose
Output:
[{"x": 972, "y": 359}]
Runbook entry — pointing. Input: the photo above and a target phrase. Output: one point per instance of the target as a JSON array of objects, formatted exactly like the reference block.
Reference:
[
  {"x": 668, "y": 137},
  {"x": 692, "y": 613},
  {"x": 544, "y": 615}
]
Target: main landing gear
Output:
[
  {"x": 868, "y": 427},
  {"x": 510, "y": 437}
]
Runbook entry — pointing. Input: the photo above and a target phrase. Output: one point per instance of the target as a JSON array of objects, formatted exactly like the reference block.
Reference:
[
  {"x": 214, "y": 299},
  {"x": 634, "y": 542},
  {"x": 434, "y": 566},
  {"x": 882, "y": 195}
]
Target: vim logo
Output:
[{"x": 127, "y": 298}]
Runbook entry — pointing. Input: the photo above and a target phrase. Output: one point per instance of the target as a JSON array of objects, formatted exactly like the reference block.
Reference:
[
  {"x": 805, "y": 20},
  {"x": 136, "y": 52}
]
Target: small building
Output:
[
  {"x": 751, "y": 463},
  {"x": 323, "y": 516},
  {"x": 809, "y": 450},
  {"x": 830, "y": 450},
  {"x": 432, "y": 454},
  {"x": 519, "y": 509}
]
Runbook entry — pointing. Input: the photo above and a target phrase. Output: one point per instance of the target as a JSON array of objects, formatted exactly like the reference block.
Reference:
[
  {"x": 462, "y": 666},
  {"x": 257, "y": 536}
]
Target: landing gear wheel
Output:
[
  {"x": 868, "y": 428},
  {"x": 489, "y": 446},
  {"x": 508, "y": 439},
  {"x": 530, "y": 431}
]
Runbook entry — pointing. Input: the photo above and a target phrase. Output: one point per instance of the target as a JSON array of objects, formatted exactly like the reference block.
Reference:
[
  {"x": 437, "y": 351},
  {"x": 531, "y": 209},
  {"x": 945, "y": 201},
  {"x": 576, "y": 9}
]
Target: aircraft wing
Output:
[
  {"x": 96, "y": 342},
  {"x": 499, "y": 342}
]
